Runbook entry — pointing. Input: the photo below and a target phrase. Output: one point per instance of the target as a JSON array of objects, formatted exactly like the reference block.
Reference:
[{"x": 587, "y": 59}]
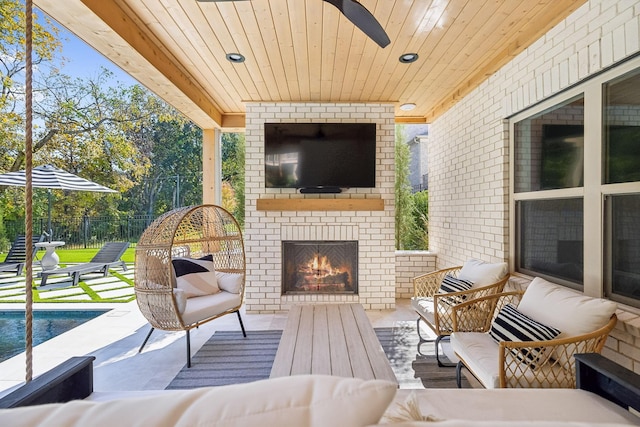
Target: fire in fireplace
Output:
[{"x": 320, "y": 267}]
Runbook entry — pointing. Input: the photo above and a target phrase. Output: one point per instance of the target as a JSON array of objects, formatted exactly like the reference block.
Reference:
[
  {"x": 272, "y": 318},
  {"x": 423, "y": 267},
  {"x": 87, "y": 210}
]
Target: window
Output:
[
  {"x": 549, "y": 155},
  {"x": 621, "y": 164},
  {"x": 623, "y": 247},
  {"x": 550, "y": 148},
  {"x": 622, "y": 130},
  {"x": 550, "y": 239},
  {"x": 576, "y": 186}
]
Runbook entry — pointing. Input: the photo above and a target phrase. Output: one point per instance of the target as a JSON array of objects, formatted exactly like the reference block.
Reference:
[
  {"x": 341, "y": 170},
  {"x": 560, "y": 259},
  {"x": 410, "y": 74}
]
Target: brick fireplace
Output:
[{"x": 267, "y": 228}]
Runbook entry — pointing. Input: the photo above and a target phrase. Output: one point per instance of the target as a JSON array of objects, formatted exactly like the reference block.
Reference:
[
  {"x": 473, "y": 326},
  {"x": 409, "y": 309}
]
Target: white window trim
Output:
[{"x": 593, "y": 192}]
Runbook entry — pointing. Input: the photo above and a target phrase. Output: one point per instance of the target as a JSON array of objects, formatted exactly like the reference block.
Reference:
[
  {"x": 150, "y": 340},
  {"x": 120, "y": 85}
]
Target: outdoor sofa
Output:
[{"x": 605, "y": 392}]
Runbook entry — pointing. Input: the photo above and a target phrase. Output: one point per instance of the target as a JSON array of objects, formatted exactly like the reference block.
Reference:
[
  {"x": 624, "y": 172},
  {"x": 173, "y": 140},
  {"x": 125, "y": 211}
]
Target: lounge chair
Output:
[
  {"x": 17, "y": 254},
  {"x": 107, "y": 257}
]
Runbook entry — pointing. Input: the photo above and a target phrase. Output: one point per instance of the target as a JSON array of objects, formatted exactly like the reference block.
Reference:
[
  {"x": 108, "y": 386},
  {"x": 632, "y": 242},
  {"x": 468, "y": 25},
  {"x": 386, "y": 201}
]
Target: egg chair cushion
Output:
[{"x": 196, "y": 277}]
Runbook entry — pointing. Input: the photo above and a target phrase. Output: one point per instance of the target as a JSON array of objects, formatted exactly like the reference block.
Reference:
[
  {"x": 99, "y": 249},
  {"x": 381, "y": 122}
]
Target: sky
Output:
[{"x": 81, "y": 60}]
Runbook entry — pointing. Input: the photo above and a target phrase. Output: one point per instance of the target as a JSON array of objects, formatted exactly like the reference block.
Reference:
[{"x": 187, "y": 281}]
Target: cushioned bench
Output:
[
  {"x": 437, "y": 292},
  {"x": 531, "y": 343}
]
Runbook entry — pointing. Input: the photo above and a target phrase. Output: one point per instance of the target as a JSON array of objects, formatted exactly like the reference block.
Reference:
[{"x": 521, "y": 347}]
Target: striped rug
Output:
[{"x": 229, "y": 358}]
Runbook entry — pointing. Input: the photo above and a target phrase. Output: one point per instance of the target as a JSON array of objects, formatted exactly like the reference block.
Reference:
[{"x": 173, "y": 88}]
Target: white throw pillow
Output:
[
  {"x": 300, "y": 400},
  {"x": 230, "y": 282},
  {"x": 196, "y": 277},
  {"x": 483, "y": 273},
  {"x": 571, "y": 312},
  {"x": 565, "y": 309}
]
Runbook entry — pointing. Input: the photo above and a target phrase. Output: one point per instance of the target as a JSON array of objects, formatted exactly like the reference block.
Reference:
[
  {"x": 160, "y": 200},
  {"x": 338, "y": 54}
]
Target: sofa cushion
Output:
[
  {"x": 482, "y": 273},
  {"x": 571, "y": 312},
  {"x": 300, "y": 400},
  {"x": 181, "y": 299},
  {"x": 480, "y": 354},
  {"x": 512, "y": 325},
  {"x": 230, "y": 282},
  {"x": 453, "y": 284},
  {"x": 196, "y": 277},
  {"x": 200, "y": 308}
]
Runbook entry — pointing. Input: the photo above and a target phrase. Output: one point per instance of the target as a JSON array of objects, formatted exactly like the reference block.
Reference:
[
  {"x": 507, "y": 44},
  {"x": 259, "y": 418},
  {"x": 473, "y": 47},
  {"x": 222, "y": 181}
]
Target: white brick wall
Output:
[
  {"x": 374, "y": 230},
  {"x": 410, "y": 264},
  {"x": 468, "y": 145}
]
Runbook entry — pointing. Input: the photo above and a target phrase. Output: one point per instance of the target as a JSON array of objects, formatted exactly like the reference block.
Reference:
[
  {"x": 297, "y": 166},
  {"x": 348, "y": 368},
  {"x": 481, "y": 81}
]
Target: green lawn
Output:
[{"x": 85, "y": 255}]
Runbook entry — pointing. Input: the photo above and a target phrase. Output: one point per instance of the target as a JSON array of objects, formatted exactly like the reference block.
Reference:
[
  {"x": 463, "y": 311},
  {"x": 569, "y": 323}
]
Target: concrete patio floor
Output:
[{"x": 115, "y": 337}]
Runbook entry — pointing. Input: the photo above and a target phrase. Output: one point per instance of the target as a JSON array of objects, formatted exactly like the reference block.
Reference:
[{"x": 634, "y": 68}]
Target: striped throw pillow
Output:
[
  {"x": 453, "y": 284},
  {"x": 512, "y": 325}
]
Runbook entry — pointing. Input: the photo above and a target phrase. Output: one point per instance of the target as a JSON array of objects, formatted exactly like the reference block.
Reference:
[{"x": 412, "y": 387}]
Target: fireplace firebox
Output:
[{"x": 313, "y": 267}]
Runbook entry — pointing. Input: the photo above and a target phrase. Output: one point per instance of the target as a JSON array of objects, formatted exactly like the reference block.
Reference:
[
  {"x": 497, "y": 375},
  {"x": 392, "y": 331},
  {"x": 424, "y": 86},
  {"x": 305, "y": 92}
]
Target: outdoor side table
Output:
[{"x": 50, "y": 258}]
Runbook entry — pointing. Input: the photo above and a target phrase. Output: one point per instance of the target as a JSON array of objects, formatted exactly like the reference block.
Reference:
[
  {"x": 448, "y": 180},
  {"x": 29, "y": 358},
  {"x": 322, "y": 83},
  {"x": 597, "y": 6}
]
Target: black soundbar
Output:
[{"x": 317, "y": 190}]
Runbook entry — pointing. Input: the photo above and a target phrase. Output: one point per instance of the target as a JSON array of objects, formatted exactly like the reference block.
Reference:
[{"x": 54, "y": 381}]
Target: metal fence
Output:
[{"x": 86, "y": 231}]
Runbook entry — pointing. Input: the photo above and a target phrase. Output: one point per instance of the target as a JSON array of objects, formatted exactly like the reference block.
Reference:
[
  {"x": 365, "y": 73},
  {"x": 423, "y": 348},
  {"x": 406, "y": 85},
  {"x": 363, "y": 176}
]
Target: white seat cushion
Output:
[
  {"x": 480, "y": 354},
  {"x": 200, "y": 308},
  {"x": 424, "y": 307},
  {"x": 517, "y": 406},
  {"x": 482, "y": 273}
]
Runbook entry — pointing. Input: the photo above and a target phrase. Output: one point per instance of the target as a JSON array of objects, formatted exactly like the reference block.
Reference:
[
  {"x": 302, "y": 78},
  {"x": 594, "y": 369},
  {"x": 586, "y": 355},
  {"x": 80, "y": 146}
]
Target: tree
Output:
[
  {"x": 420, "y": 237},
  {"x": 12, "y": 67},
  {"x": 404, "y": 202},
  {"x": 233, "y": 164},
  {"x": 173, "y": 147}
]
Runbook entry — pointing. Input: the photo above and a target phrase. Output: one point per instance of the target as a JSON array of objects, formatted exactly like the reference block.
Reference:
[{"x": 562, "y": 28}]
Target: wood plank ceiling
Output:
[{"x": 305, "y": 50}]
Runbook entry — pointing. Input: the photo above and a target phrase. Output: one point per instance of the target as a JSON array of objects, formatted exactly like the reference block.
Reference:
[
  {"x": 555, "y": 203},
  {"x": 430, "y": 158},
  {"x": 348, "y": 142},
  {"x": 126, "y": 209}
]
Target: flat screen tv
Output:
[{"x": 320, "y": 157}]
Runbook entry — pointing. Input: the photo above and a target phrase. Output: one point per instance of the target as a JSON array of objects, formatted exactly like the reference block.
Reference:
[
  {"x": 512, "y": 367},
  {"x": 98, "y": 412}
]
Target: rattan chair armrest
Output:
[
  {"x": 477, "y": 311},
  {"x": 559, "y": 352},
  {"x": 426, "y": 285}
]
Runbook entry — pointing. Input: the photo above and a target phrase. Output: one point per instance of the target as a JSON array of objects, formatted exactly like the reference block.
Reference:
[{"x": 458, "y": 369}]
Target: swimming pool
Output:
[{"x": 46, "y": 325}]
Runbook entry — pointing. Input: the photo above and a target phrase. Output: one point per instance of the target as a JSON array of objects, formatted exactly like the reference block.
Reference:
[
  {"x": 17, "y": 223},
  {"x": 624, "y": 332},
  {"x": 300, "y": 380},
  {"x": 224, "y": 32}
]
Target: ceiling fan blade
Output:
[{"x": 363, "y": 19}]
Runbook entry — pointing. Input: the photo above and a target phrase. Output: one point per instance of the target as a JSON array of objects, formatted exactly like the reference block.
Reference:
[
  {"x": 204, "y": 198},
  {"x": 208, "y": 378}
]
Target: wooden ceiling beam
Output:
[{"x": 121, "y": 40}]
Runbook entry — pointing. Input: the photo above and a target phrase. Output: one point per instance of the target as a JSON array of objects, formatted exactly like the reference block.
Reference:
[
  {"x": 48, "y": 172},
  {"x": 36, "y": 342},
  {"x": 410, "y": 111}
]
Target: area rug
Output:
[{"x": 229, "y": 358}]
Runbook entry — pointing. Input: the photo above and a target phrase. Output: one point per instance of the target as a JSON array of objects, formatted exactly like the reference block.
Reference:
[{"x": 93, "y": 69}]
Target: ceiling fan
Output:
[{"x": 356, "y": 13}]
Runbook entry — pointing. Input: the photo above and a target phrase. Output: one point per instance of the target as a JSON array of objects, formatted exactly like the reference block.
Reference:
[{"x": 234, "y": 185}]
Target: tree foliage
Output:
[
  {"x": 420, "y": 237},
  {"x": 404, "y": 202},
  {"x": 412, "y": 217},
  {"x": 173, "y": 148},
  {"x": 233, "y": 166}
]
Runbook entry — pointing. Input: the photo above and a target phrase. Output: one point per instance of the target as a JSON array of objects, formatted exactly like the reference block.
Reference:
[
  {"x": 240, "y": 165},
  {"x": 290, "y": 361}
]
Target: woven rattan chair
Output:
[
  {"x": 434, "y": 308},
  {"x": 558, "y": 371},
  {"x": 192, "y": 232}
]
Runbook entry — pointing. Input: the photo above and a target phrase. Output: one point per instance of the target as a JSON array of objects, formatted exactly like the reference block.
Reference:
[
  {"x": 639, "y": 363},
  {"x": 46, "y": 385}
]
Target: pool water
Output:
[{"x": 46, "y": 325}]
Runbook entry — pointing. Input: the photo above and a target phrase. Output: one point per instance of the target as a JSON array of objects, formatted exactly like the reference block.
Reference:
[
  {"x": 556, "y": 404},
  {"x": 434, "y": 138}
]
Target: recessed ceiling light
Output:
[
  {"x": 407, "y": 58},
  {"x": 235, "y": 57},
  {"x": 408, "y": 106}
]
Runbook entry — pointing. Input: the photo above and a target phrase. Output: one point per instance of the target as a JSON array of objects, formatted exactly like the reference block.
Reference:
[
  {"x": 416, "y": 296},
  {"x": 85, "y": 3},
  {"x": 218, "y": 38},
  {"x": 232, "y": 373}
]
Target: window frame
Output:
[{"x": 593, "y": 190}]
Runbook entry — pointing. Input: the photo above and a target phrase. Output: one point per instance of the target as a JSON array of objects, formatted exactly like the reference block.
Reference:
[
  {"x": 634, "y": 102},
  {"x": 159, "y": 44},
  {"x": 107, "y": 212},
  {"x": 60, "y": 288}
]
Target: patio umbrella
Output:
[{"x": 50, "y": 177}]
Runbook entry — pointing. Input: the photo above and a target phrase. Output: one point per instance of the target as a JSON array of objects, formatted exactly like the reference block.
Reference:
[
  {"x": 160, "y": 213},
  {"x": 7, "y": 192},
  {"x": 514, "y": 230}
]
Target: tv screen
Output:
[{"x": 320, "y": 155}]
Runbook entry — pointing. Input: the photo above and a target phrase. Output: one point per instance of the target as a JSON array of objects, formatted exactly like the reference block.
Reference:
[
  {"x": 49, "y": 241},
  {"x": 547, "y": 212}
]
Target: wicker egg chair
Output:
[{"x": 191, "y": 232}]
